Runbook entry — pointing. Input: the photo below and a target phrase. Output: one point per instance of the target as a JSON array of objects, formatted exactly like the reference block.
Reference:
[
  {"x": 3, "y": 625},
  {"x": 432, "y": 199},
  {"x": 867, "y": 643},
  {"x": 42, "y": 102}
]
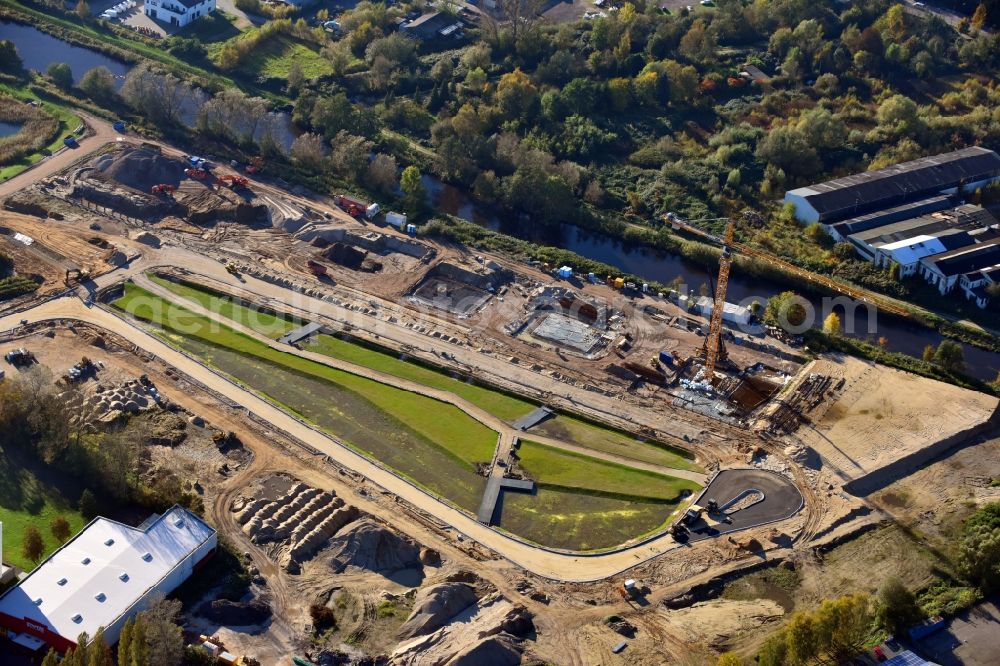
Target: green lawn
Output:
[
  {"x": 216, "y": 27},
  {"x": 431, "y": 442},
  {"x": 27, "y": 501},
  {"x": 568, "y": 470},
  {"x": 68, "y": 121},
  {"x": 268, "y": 324},
  {"x": 275, "y": 57},
  {"x": 504, "y": 406}
]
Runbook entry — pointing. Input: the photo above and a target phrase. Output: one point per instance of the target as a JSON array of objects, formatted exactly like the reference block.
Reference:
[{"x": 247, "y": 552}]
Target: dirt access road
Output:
[
  {"x": 551, "y": 565},
  {"x": 506, "y": 431},
  {"x": 100, "y": 133}
]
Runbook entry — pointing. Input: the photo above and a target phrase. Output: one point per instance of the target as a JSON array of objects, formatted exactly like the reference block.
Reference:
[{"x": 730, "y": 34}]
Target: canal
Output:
[
  {"x": 651, "y": 264},
  {"x": 38, "y": 50}
]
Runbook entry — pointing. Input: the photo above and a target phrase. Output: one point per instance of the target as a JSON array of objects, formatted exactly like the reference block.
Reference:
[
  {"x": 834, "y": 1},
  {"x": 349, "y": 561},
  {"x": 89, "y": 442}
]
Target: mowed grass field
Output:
[
  {"x": 268, "y": 324},
  {"x": 587, "y": 504},
  {"x": 500, "y": 404},
  {"x": 276, "y": 56},
  {"x": 433, "y": 443},
  {"x": 26, "y": 501}
]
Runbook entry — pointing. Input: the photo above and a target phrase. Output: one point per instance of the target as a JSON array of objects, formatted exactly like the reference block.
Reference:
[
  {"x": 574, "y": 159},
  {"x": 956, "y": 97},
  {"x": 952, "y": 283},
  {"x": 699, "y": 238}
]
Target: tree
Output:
[
  {"x": 309, "y": 150},
  {"x": 698, "y": 44},
  {"x": 60, "y": 528},
  {"x": 979, "y": 17},
  {"x": 164, "y": 639},
  {"x": 949, "y": 356},
  {"x": 413, "y": 188},
  {"x": 82, "y": 10},
  {"x": 125, "y": 639},
  {"x": 98, "y": 652},
  {"x": 730, "y": 659},
  {"x": 928, "y": 354},
  {"x": 61, "y": 75},
  {"x": 900, "y": 116},
  {"x": 516, "y": 94},
  {"x": 33, "y": 547},
  {"x": 896, "y": 607},
  {"x": 88, "y": 504},
  {"x": 382, "y": 173},
  {"x": 787, "y": 311},
  {"x": 10, "y": 59},
  {"x": 98, "y": 83},
  {"x": 831, "y": 325},
  {"x": 979, "y": 550},
  {"x": 789, "y": 149},
  {"x": 51, "y": 658},
  {"x": 295, "y": 78}
]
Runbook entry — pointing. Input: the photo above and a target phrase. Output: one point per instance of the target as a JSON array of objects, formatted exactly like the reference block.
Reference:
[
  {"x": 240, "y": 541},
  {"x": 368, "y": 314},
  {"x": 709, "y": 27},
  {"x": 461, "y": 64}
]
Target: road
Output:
[
  {"x": 508, "y": 433},
  {"x": 548, "y": 564},
  {"x": 101, "y": 133}
]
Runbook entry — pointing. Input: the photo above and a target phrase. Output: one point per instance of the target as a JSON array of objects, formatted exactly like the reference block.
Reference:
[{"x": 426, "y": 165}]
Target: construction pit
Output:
[
  {"x": 867, "y": 414},
  {"x": 459, "y": 291},
  {"x": 560, "y": 318}
]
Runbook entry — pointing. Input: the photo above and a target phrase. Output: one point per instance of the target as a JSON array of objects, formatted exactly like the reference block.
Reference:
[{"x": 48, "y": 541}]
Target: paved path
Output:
[
  {"x": 507, "y": 433},
  {"x": 549, "y": 564},
  {"x": 101, "y": 133}
]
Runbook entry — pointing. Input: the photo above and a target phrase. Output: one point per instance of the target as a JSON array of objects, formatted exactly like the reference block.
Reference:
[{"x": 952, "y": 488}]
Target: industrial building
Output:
[
  {"x": 731, "y": 313},
  {"x": 945, "y": 270},
  {"x": 178, "y": 12},
  {"x": 103, "y": 576},
  {"x": 918, "y": 180}
]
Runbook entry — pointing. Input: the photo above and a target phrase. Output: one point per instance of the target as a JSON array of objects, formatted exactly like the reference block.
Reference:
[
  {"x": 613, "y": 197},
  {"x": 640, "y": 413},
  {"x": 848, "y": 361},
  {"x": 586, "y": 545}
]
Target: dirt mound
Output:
[
  {"x": 434, "y": 606},
  {"x": 367, "y": 545},
  {"x": 501, "y": 650},
  {"x": 236, "y": 613},
  {"x": 139, "y": 168},
  {"x": 352, "y": 257}
]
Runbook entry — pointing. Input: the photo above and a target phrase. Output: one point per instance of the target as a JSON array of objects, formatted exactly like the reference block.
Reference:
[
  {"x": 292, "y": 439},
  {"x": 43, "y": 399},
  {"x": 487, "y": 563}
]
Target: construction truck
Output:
[
  {"x": 692, "y": 515},
  {"x": 350, "y": 206},
  {"x": 163, "y": 188},
  {"x": 255, "y": 165},
  {"x": 75, "y": 275},
  {"x": 233, "y": 181},
  {"x": 316, "y": 268}
]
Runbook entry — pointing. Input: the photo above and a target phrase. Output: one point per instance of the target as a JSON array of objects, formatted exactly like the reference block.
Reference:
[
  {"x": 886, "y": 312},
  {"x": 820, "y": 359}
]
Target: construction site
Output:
[{"x": 462, "y": 457}]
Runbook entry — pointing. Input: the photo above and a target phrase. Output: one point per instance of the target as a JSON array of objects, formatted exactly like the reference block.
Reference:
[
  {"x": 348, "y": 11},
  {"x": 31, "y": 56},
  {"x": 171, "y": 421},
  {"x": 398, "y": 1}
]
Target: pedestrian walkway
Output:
[{"x": 496, "y": 484}]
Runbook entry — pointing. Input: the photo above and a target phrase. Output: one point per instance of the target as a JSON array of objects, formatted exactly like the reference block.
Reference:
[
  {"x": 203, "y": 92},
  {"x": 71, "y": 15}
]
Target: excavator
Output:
[
  {"x": 163, "y": 188},
  {"x": 255, "y": 165},
  {"x": 197, "y": 174},
  {"x": 233, "y": 181}
]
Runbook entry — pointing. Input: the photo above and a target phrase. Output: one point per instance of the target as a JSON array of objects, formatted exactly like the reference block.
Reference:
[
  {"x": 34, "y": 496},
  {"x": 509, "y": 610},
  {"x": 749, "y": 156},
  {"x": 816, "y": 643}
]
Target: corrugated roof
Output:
[
  {"x": 100, "y": 573},
  {"x": 967, "y": 259},
  {"x": 894, "y": 214},
  {"x": 863, "y": 192}
]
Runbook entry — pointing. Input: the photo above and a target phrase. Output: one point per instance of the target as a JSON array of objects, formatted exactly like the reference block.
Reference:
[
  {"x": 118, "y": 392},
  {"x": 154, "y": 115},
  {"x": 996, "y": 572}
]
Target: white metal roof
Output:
[
  {"x": 99, "y": 574},
  {"x": 912, "y": 250}
]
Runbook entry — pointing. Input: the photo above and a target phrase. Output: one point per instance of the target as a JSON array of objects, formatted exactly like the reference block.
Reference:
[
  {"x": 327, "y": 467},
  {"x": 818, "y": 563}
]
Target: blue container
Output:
[{"x": 666, "y": 359}]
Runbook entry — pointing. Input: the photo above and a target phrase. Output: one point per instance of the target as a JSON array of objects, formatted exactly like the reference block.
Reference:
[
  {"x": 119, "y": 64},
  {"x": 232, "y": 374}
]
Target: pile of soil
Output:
[
  {"x": 367, "y": 545},
  {"x": 352, "y": 257},
  {"x": 435, "y": 606},
  {"x": 236, "y": 613},
  {"x": 500, "y": 650},
  {"x": 139, "y": 168}
]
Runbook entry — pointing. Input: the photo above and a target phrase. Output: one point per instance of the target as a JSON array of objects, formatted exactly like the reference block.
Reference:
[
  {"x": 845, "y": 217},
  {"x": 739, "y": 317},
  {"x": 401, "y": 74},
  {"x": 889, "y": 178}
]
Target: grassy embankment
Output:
[
  {"x": 500, "y": 404},
  {"x": 430, "y": 442},
  {"x": 48, "y": 122}
]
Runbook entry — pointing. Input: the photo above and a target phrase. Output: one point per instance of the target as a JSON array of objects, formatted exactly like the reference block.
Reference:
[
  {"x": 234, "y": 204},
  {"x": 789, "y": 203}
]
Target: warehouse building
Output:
[
  {"x": 918, "y": 180},
  {"x": 103, "y": 576},
  {"x": 945, "y": 270}
]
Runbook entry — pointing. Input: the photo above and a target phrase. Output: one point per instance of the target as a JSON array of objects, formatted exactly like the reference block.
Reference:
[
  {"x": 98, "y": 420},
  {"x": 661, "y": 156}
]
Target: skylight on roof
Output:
[
  {"x": 38, "y": 601},
  {"x": 85, "y": 561},
  {"x": 109, "y": 542},
  {"x": 61, "y": 581},
  {"x": 148, "y": 557},
  {"x": 77, "y": 618},
  {"x": 123, "y": 578},
  {"x": 100, "y": 596}
]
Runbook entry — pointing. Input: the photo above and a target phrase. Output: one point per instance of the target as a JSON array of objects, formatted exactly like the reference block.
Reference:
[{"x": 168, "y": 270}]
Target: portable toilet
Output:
[
  {"x": 565, "y": 272},
  {"x": 411, "y": 229},
  {"x": 645, "y": 288},
  {"x": 591, "y": 278},
  {"x": 619, "y": 283},
  {"x": 372, "y": 211}
]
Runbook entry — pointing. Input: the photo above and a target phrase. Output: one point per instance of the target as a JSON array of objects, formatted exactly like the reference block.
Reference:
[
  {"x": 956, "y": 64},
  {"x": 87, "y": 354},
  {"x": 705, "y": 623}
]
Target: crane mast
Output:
[{"x": 715, "y": 348}]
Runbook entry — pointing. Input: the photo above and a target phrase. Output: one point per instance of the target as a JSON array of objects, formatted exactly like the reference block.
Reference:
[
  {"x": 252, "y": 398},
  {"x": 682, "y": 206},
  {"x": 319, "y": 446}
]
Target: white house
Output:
[
  {"x": 178, "y": 12},
  {"x": 103, "y": 576}
]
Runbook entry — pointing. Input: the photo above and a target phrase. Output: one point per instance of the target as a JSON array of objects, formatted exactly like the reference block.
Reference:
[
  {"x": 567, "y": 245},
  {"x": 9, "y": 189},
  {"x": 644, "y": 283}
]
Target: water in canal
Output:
[
  {"x": 9, "y": 129},
  {"x": 652, "y": 264},
  {"x": 38, "y": 50}
]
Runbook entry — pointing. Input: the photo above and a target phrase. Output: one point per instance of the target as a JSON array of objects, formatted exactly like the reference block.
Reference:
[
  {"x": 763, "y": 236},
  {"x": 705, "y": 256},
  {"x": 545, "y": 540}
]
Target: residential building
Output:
[
  {"x": 433, "y": 25},
  {"x": 178, "y": 12},
  {"x": 843, "y": 198},
  {"x": 974, "y": 285},
  {"x": 944, "y": 270},
  {"x": 103, "y": 576}
]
